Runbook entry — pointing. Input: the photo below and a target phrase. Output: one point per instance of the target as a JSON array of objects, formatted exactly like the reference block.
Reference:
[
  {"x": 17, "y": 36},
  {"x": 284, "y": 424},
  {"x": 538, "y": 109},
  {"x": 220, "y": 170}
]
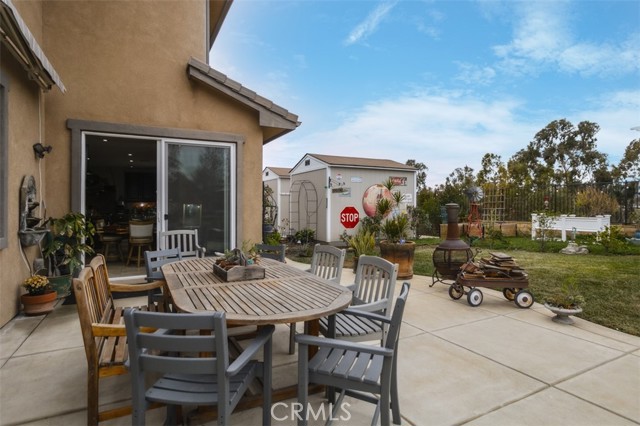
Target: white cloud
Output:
[
  {"x": 475, "y": 75},
  {"x": 543, "y": 38},
  {"x": 444, "y": 131},
  {"x": 371, "y": 22},
  {"x": 450, "y": 130}
]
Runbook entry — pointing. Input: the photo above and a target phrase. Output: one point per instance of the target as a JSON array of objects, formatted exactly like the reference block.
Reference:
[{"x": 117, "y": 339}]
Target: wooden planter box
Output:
[{"x": 240, "y": 273}]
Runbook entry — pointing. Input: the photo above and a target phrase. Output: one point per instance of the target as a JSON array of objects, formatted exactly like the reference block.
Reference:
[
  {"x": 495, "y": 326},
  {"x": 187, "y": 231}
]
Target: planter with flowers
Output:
[
  {"x": 565, "y": 302},
  {"x": 40, "y": 298}
]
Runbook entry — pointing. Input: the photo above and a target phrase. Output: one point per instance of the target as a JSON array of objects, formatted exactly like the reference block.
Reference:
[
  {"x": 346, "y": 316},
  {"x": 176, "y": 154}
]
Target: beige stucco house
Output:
[{"x": 138, "y": 122}]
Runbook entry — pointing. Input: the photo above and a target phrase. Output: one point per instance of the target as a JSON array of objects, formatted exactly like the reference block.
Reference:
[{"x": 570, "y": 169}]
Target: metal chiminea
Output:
[{"x": 452, "y": 253}]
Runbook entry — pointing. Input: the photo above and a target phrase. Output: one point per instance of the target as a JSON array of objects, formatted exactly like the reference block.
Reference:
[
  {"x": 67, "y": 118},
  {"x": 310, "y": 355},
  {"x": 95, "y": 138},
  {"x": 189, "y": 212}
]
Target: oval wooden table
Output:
[{"x": 286, "y": 295}]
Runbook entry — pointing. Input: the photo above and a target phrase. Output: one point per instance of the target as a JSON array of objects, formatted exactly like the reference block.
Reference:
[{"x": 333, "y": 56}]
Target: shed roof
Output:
[
  {"x": 280, "y": 171},
  {"x": 335, "y": 160},
  {"x": 277, "y": 120}
]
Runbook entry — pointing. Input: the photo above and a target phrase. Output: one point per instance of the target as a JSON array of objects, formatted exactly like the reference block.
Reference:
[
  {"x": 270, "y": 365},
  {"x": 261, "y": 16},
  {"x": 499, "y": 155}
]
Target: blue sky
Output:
[{"x": 441, "y": 82}]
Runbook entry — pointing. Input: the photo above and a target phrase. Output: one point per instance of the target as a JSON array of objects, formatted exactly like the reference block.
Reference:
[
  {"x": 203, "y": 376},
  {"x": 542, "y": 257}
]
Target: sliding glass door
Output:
[{"x": 198, "y": 184}]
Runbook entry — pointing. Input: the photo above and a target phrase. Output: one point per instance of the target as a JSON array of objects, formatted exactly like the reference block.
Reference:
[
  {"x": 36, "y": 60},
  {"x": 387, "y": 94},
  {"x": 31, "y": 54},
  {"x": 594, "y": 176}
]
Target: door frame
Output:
[{"x": 79, "y": 127}]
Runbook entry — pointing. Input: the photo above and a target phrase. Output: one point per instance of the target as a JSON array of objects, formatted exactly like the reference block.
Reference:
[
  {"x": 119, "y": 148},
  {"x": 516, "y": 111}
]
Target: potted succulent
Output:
[
  {"x": 566, "y": 301},
  {"x": 69, "y": 240},
  {"x": 395, "y": 246},
  {"x": 40, "y": 298}
]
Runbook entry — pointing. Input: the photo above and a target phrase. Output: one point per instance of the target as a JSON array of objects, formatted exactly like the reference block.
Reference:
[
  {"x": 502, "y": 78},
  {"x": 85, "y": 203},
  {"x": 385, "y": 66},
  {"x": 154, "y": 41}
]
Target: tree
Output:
[
  {"x": 561, "y": 153},
  {"x": 629, "y": 166},
  {"x": 493, "y": 170},
  {"x": 421, "y": 176}
]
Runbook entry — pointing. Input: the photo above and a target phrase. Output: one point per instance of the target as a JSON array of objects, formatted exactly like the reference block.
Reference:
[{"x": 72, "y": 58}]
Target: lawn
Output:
[{"x": 609, "y": 283}]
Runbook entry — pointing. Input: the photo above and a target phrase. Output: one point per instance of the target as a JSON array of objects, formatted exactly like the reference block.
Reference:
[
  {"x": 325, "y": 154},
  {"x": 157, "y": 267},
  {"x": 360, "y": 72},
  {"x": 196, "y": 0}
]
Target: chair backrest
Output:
[
  {"x": 272, "y": 251},
  {"x": 327, "y": 262},
  {"x": 375, "y": 283},
  {"x": 141, "y": 229},
  {"x": 393, "y": 332},
  {"x": 156, "y": 258},
  {"x": 90, "y": 310},
  {"x": 185, "y": 240},
  {"x": 166, "y": 352},
  {"x": 101, "y": 280}
]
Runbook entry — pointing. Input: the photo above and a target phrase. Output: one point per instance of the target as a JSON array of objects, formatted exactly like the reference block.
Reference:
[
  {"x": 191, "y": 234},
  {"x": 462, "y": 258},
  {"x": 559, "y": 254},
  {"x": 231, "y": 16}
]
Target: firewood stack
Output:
[{"x": 499, "y": 265}]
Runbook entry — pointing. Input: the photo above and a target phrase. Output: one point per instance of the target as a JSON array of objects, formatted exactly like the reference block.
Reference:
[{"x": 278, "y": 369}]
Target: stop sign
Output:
[{"x": 349, "y": 217}]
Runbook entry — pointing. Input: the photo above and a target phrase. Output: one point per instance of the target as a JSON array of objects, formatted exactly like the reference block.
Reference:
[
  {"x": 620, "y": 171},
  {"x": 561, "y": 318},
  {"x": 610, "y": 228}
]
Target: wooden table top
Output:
[{"x": 286, "y": 294}]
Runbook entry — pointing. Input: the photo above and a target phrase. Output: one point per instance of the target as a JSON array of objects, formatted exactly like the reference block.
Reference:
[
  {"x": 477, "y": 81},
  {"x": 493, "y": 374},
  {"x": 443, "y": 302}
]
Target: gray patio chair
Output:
[
  {"x": 203, "y": 379},
  {"x": 327, "y": 262},
  {"x": 184, "y": 239},
  {"x": 356, "y": 369},
  {"x": 153, "y": 261},
  {"x": 372, "y": 292},
  {"x": 269, "y": 251}
]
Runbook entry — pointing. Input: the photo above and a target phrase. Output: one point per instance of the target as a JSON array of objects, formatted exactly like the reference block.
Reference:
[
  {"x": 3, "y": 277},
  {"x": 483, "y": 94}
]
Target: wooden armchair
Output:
[{"x": 103, "y": 332}]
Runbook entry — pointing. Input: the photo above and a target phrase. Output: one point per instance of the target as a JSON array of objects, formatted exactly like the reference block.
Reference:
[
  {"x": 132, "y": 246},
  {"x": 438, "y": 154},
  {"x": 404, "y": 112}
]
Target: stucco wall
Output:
[
  {"x": 121, "y": 62},
  {"x": 23, "y": 132},
  {"x": 125, "y": 62}
]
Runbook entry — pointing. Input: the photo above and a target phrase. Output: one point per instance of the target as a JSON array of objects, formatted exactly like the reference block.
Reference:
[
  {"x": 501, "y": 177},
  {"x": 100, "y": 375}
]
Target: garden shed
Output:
[
  {"x": 330, "y": 194},
  {"x": 276, "y": 203}
]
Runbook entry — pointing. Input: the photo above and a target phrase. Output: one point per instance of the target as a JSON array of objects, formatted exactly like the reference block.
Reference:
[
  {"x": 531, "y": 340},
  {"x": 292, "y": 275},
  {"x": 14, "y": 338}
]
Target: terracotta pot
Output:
[
  {"x": 40, "y": 304},
  {"x": 402, "y": 254}
]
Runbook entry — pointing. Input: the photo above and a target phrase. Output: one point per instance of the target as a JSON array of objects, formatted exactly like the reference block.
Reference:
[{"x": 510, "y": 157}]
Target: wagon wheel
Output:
[
  {"x": 524, "y": 299},
  {"x": 474, "y": 297},
  {"x": 456, "y": 291},
  {"x": 509, "y": 293}
]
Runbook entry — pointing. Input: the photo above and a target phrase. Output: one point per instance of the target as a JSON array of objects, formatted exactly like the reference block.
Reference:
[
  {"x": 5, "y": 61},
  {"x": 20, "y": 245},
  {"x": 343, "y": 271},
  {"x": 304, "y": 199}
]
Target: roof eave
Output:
[
  {"x": 270, "y": 115},
  {"x": 17, "y": 37}
]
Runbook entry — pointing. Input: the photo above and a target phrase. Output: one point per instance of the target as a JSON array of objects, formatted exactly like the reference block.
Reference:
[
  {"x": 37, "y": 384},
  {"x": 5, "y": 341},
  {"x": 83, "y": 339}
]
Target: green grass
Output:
[{"x": 610, "y": 283}]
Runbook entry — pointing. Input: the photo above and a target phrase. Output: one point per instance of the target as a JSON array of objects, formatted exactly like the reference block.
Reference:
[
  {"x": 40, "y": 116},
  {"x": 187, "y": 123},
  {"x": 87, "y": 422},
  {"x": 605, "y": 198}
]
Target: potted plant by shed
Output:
[
  {"x": 69, "y": 240},
  {"x": 40, "y": 298},
  {"x": 363, "y": 243},
  {"x": 566, "y": 301},
  {"x": 395, "y": 246}
]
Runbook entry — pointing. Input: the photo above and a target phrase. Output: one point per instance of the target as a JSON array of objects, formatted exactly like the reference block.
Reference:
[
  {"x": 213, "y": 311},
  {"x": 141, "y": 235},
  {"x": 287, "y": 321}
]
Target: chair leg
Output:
[
  {"x": 93, "y": 414},
  {"x": 303, "y": 383},
  {"x": 395, "y": 401},
  {"x": 292, "y": 338}
]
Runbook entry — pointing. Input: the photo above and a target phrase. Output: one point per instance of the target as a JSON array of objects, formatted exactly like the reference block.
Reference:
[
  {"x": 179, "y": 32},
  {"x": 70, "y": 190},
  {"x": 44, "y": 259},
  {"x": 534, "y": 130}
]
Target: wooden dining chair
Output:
[
  {"x": 185, "y": 240},
  {"x": 358, "y": 370},
  {"x": 205, "y": 380},
  {"x": 372, "y": 292},
  {"x": 327, "y": 262}
]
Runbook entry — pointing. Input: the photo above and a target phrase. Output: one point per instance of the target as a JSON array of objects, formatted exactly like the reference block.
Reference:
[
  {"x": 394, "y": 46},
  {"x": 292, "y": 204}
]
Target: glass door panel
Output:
[{"x": 199, "y": 185}]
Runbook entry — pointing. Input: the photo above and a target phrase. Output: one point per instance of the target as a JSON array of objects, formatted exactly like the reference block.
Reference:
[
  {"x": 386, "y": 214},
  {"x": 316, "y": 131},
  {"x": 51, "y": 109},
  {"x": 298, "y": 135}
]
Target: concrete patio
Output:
[{"x": 491, "y": 365}]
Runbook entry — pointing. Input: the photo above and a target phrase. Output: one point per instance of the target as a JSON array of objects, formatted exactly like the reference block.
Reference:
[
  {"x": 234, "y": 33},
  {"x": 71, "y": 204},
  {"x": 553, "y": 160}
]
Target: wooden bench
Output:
[{"x": 103, "y": 331}]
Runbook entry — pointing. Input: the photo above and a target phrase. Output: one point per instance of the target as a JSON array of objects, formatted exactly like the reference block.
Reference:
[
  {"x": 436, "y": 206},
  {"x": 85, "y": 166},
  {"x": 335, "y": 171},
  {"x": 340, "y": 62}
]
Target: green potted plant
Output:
[
  {"x": 40, "y": 297},
  {"x": 566, "y": 301},
  {"x": 395, "y": 245},
  {"x": 69, "y": 240},
  {"x": 362, "y": 243}
]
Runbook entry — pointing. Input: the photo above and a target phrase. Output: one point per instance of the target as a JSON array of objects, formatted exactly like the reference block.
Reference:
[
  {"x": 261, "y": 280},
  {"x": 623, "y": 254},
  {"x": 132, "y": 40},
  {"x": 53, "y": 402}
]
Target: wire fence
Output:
[{"x": 621, "y": 200}]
